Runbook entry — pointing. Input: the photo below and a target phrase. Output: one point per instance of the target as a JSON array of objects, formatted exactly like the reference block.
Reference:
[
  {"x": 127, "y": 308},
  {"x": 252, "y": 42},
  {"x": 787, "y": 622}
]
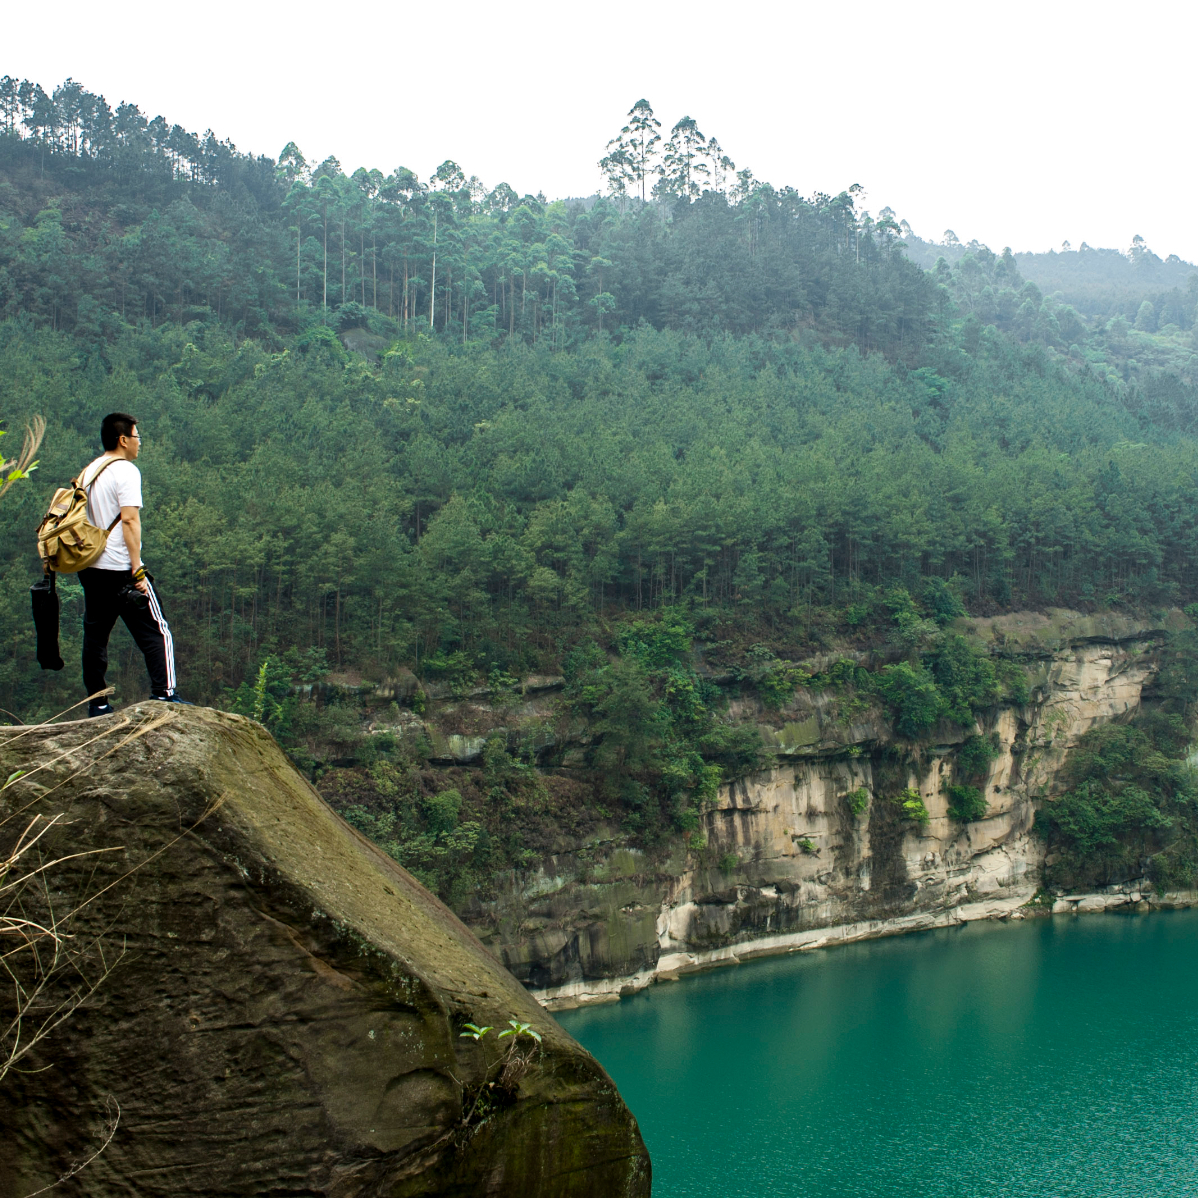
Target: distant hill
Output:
[
  {"x": 1096, "y": 282},
  {"x": 1104, "y": 282}
]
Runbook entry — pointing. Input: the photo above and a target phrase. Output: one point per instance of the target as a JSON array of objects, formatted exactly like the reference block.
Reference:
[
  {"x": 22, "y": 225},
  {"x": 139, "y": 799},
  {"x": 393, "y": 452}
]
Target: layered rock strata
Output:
[
  {"x": 285, "y": 1010},
  {"x": 789, "y": 864}
]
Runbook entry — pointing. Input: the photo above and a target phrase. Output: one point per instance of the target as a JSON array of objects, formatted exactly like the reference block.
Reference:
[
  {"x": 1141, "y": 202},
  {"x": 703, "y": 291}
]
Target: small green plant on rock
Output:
[
  {"x": 857, "y": 800},
  {"x": 515, "y": 1028},
  {"x": 519, "y": 1029},
  {"x": 729, "y": 862},
  {"x": 502, "y": 1077},
  {"x": 912, "y": 804},
  {"x": 807, "y": 845}
]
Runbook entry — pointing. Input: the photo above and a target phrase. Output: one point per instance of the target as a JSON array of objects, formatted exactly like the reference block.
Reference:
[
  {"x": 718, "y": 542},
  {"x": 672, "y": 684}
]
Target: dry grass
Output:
[
  {"x": 50, "y": 970},
  {"x": 51, "y": 962},
  {"x": 19, "y": 467}
]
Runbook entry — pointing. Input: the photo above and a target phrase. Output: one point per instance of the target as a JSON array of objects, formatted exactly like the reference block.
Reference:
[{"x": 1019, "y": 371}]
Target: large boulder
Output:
[{"x": 285, "y": 1012}]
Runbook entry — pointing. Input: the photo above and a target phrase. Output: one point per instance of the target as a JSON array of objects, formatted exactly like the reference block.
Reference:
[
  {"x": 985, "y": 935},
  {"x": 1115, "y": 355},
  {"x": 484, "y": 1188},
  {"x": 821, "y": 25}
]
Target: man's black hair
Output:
[{"x": 113, "y": 427}]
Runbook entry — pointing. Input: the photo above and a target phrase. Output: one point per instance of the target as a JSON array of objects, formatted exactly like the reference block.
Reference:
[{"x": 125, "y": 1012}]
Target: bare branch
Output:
[{"x": 111, "y": 1123}]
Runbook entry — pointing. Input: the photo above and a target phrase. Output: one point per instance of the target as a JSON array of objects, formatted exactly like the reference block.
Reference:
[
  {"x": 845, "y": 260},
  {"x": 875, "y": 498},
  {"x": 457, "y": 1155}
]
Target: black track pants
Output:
[{"x": 147, "y": 625}]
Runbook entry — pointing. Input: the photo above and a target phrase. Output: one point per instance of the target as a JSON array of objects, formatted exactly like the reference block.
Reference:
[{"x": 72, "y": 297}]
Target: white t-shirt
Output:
[{"x": 119, "y": 486}]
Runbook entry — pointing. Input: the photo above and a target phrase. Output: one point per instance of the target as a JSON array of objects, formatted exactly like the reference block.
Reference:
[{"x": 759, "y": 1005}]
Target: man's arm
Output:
[{"x": 131, "y": 530}]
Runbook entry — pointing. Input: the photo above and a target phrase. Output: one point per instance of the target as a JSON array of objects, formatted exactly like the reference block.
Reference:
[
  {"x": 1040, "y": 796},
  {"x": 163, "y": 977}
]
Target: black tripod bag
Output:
[{"x": 45, "y": 620}]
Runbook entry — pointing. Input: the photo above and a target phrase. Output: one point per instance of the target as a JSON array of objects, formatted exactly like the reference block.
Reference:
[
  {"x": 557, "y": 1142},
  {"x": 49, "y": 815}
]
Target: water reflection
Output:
[{"x": 1056, "y": 1057}]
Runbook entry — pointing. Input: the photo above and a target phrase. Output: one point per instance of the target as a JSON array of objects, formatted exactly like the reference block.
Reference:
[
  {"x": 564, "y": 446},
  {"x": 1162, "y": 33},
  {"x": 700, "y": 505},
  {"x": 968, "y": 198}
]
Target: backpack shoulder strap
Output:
[
  {"x": 97, "y": 473},
  {"x": 78, "y": 482}
]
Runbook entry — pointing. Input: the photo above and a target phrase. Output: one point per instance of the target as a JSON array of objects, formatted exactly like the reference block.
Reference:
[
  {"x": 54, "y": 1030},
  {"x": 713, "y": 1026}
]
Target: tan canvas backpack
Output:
[{"x": 67, "y": 541}]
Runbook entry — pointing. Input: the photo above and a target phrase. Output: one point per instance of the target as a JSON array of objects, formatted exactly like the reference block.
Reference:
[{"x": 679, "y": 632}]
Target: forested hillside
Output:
[
  {"x": 108, "y": 217},
  {"x": 392, "y": 423},
  {"x": 393, "y": 418}
]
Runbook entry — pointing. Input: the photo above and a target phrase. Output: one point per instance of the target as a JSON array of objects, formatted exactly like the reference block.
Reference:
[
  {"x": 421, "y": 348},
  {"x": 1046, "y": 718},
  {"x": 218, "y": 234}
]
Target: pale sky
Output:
[{"x": 1020, "y": 124}]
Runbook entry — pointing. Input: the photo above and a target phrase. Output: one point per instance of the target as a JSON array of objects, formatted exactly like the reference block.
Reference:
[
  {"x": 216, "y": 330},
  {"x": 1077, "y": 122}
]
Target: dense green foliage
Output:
[
  {"x": 942, "y": 677},
  {"x": 161, "y": 225},
  {"x": 1126, "y": 319},
  {"x": 1131, "y": 807},
  {"x": 108, "y": 217},
  {"x": 699, "y": 422},
  {"x": 499, "y": 502},
  {"x": 1125, "y": 785},
  {"x": 1098, "y": 283},
  {"x": 455, "y": 844},
  {"x": 660, "y": 745}
]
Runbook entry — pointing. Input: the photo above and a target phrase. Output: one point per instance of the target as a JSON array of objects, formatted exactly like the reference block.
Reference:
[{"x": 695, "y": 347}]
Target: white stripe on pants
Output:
[{"x": 168, "y": 640}]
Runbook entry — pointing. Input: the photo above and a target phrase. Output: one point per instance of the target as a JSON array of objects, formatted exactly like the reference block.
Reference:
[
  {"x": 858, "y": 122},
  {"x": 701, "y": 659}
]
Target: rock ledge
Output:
[{"x": 286, "y": 1015}]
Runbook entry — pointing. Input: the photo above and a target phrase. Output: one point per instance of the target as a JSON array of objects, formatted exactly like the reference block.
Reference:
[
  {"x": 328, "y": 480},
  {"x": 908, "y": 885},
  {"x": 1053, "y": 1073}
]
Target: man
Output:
[{"x": 113, "y": 485}]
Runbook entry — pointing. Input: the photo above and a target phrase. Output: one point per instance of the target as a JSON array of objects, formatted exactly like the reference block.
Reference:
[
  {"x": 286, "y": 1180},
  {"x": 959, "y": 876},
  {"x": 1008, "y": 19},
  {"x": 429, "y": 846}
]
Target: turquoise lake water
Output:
[{"x": 1055, "y": 1058}]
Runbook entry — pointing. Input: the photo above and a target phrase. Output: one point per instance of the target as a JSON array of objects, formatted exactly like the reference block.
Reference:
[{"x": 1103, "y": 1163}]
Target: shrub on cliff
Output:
[
  {"x": 965, "y": 803},
  {"x": 658, "y": 747},
  {"x": 910, "y": 801},
  {"x": 954, "y": 680},
  {"x": 976, "y": 754},
  {"x": 1131, "y": 807},
  {"x": 964, "y": 676},
  {"x": 913, "y": 698},
  {"x": 857, "y": 800}
]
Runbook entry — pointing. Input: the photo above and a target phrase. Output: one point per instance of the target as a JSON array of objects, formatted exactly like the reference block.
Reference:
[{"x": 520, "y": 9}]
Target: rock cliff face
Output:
[
  {"x": 789, "y": 864},
  {"x": 285, "y": 1018}
]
